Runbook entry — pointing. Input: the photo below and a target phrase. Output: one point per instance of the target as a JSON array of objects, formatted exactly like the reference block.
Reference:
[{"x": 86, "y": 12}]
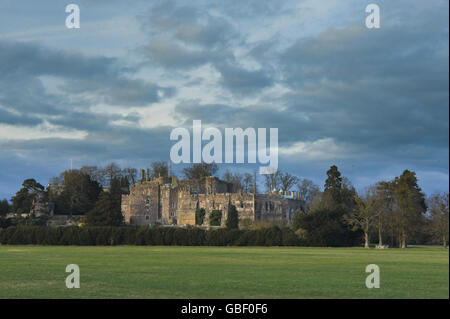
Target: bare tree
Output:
[
  {"x": 362, "y": 215},
  {"x": 235, "y": 179},
  {"x": 384, "y": 202},
  {"x": 200, "y": 170},
  {"x": 308, "y": 191},
  {"x": 439, "y": 214},
  {"x": 159, "y": 169},
  {"x": 287, "y": 181},
  {"x": 272, "y": 181},
  {"x": 130, "y": 174},
  {"x": 95, "y": 173},
  {"x": 110, "y": 172},
  {"x": 247, "y": 183}
]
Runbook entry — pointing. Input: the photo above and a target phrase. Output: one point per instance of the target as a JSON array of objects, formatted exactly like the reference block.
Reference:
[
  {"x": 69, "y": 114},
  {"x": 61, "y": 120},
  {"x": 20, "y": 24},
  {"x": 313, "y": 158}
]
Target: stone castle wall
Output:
[{"x": 170, "y": 201}]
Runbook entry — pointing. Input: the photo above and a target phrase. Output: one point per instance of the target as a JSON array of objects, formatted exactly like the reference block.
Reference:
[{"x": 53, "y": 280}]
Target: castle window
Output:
[
  {"x": 147, "y": 217},
  {"x": 147, "y": 201},
  {"x": 242, "y": 204}
]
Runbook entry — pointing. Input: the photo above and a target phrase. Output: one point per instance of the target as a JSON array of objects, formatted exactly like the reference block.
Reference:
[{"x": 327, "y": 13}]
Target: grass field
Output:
[{"x": 222, "y": 272}]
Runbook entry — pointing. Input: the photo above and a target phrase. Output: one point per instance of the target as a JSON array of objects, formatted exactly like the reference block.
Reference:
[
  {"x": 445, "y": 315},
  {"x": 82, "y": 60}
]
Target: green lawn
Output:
[{"x": 222, "y": 272}]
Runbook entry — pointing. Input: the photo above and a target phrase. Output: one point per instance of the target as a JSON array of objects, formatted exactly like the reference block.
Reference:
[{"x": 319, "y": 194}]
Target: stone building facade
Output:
[{"x": 170, "y": 201}]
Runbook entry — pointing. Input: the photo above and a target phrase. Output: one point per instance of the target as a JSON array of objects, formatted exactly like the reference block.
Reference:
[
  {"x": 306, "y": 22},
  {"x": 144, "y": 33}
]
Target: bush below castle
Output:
[{"x": 189, "y": 236}]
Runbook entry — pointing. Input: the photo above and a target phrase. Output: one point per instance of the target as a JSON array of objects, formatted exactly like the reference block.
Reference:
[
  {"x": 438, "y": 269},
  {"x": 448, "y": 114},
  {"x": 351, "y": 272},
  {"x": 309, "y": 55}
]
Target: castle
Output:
[{"x": 170, "y": 201}]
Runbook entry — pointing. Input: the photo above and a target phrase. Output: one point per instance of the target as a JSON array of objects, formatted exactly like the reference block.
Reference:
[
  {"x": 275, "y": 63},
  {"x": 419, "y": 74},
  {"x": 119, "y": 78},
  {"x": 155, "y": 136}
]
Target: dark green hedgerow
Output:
[{"x": 189, "y": 236}]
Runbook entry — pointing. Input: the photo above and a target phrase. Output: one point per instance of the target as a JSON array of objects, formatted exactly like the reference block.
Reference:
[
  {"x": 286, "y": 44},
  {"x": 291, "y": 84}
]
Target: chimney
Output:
[
  {"x": 147, "y": 175},
  {"x": 142, "y": 175}
]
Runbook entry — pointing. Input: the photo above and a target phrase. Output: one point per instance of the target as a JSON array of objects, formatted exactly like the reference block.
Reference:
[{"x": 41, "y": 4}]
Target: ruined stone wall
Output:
[
  {"x": 171, "y": 201},
  {"x": 274, "y": 207}
]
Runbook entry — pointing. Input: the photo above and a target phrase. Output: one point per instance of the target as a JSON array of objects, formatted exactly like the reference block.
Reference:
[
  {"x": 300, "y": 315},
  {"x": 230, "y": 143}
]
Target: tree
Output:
[
  {"x": 411, "y": 205},
  {"x": 215, "y": 218},
  {"x": 287, "y": 181},
  {"x": 333, "y": 184},
  {"x": 159, "y": 169},
  {"x": 297, "y": 219},
  {"x": 30, "y": 193},
  {"x": 439, "y": 213},
  {"x": 95, "y": 173},
  {"x": 323, "y": 227},
  {"x": 200, "y": 170},
  {"x": 363, "y": 213},
  {"x": 307, "y": 191},
  {"x": 130, "y": 174},
  {"x": 79, "y": 193},
  {"x": 234, "y": 179},
  {"x": 384, "y": 203},
  {"x": 247, "y": 183},
  {"x": 325, "y": 223},
  {"x": 233, "y": 218},
  {"x": 110, "y": 172},
  {"x": 272, "y": 181},
  {"x": 106, "y": 212},
  {"x": 199, "y": 216},
  {"x": 339, "y": 194},
  {"x": 4, "y": 207}
]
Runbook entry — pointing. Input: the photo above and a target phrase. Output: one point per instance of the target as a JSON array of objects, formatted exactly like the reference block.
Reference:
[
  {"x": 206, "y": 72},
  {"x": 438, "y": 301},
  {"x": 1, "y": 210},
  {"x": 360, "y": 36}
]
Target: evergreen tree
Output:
[
  {"x": 333, "y": 184},
  {"x": 411, "y": 205},
  {"x": 106, "y": 212},
  {"x": 233, "y": 218},
  {"x": 23, "y": 201},
  {"x": 199, "y": 216},
  {"x": 79, "y": 193},
  {"x": 215, "y": 218},
  {"x": 4, "y": 207}
]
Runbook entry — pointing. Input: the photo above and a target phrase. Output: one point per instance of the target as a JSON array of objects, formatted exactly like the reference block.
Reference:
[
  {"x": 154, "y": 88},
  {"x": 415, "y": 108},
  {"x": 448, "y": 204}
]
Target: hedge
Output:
[{"x": 127, "y": 235}]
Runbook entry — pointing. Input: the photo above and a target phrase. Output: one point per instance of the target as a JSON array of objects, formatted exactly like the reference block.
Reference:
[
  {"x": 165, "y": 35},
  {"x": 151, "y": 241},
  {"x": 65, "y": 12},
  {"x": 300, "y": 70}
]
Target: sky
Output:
[{"x": 374, "y": 102}]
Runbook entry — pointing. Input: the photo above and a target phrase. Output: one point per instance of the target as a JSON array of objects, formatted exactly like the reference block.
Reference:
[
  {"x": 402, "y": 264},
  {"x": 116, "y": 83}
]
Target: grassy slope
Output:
[{"x": 222, "y": 272}]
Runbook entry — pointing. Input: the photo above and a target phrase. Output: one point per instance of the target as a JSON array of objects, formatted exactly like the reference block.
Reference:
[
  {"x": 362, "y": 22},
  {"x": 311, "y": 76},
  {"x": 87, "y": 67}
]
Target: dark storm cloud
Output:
[
  {"x": 380, "y": 95},
  {"x": 386, "y": 92},
  {"x": 100, "y": 146},
  {"x": 104, "y": 77},
  {"x": 186, "y": 37},
  {"x": 11, "y": 118},
  {"x": 167, "y": 53},
  {"x": 189, "y": 24},
  {"x": 382, "y": 92},
  {"x": 242, "y": 81},
  {"x": 255, "y": 116}
]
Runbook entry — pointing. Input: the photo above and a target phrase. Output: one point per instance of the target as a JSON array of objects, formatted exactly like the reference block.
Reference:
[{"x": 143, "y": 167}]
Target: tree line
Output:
[{"x": 394, "y": 212}]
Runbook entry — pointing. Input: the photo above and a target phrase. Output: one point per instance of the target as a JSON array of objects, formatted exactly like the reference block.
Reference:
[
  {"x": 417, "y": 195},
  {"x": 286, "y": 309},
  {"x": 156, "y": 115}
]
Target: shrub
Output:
[
  {"x": 232, "y": 218},
  {"x": 215, "y": 218},
  {"x": 144, "y": 235},
  {"x": 199, "y": 216}
]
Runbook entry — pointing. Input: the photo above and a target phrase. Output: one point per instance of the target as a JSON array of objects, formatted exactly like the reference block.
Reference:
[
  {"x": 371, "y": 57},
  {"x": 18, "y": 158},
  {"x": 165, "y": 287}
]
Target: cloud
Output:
[
  {"x": 184, "y": 37},
  {"x": 322, "y": 149},
  {"x": 243, "y": 81},
  {"x": 103, "y": 77},
  {"x": 374, "y": 102}
]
